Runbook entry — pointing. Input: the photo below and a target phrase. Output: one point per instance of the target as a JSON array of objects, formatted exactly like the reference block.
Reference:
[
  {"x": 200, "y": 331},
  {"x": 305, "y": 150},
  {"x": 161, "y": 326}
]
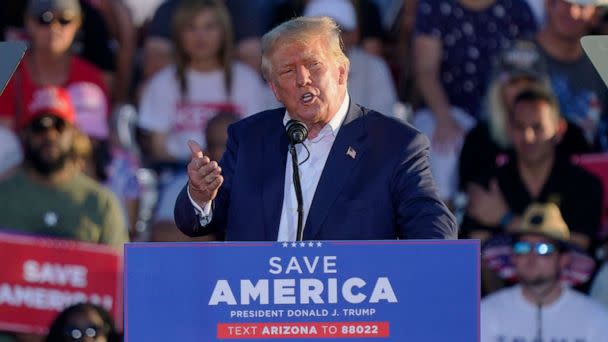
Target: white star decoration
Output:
[{"x": 301, "y": 244}]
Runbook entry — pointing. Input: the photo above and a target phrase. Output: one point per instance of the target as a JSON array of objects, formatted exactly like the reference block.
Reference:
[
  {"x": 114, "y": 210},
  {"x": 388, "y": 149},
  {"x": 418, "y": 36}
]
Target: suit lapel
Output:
[
  {"x": 344, "y": 156},
  {"x": 273, "y": 159}
]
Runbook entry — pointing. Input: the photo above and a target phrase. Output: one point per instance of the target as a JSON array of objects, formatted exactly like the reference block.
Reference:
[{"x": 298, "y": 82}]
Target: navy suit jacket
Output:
[{"x": 385, "y": 192}]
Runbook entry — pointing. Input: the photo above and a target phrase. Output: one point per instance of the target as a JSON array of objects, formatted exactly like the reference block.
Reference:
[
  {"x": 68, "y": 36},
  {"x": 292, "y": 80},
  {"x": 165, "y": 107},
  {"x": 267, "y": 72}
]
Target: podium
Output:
[{"x": 402, "y": 290}]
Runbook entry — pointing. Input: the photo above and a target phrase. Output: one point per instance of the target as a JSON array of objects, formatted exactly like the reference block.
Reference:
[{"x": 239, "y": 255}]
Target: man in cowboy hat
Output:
[{"x": 540, "y": 307}]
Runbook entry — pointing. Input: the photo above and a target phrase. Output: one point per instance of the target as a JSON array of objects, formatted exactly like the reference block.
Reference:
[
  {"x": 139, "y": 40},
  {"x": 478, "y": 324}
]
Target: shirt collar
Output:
[{"x": 334, "y": 124}]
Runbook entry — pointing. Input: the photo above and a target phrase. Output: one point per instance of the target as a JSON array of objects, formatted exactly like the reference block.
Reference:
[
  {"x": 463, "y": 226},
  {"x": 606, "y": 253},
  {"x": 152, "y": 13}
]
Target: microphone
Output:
[{"x": 296, "y": 132}]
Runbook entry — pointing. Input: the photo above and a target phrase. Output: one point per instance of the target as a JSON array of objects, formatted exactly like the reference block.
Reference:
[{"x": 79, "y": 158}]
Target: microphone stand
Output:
[{"x": 298, "y": 188}]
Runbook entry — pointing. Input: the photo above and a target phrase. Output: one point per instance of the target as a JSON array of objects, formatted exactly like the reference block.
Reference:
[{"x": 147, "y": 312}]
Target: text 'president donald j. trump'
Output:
[{"x": 363, "y": 175}]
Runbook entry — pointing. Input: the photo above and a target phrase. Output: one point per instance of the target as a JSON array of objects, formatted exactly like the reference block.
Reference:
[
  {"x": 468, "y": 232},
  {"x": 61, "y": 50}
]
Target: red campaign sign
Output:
[
  {"x": 309, "y": 330},
  {"x": 42, "y": 276}
]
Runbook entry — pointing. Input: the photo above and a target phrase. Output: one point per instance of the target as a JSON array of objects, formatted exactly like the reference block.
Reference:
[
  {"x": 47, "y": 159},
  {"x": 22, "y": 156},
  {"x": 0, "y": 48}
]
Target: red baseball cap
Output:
[{"x": 49, "y": 101}]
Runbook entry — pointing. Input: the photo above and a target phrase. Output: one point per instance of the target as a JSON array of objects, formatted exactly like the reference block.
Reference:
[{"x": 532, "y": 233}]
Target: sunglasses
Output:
[
  {"x": 541, "y": 248},
  {"x": 45, "y": 123},
  {"x": 78, "y": 334},
  {"x": 47, "y": 18}
]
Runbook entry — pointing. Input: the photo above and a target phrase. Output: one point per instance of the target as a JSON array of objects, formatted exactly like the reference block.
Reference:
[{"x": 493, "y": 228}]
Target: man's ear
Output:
[{"x": 343, "y": 69}]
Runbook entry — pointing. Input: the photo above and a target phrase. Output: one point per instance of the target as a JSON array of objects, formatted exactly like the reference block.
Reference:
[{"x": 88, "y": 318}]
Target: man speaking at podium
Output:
[{"x": 362, "y": 175}]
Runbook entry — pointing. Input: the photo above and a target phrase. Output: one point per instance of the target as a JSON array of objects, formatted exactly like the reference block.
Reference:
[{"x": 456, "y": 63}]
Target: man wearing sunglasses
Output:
[
  {"x": 49, "y": 195},
  {"x": 540, "y": 307}
]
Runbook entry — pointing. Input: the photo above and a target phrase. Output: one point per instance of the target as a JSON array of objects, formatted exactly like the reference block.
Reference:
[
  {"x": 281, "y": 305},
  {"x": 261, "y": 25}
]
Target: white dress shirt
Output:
[{"x": 310, "y": 173}]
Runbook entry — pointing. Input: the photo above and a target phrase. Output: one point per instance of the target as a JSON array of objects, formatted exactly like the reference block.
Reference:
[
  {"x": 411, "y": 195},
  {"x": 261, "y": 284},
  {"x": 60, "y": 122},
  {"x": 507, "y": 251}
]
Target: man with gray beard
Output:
[{"x": 48, "y": 195}]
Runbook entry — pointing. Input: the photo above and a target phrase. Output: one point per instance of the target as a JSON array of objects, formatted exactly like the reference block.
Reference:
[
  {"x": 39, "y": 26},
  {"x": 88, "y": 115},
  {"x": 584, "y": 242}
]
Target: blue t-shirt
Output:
[{"x": 471, "y": 40}]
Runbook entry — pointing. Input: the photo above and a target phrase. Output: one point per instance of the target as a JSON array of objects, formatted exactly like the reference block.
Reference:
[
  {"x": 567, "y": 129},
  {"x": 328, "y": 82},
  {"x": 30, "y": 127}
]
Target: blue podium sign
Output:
[{"x": 420, "y": 291}]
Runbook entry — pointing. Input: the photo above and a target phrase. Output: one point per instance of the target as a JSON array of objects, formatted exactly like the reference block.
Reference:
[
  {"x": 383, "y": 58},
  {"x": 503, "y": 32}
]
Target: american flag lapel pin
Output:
[{"x": 351, "y": 152}]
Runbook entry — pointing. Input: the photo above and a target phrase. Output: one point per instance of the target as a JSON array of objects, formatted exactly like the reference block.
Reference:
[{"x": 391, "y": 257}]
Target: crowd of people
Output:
[{"x": 111, "y": 92}]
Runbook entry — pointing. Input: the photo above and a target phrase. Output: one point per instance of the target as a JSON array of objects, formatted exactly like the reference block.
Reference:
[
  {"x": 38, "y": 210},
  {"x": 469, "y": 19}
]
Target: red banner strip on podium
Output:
[{"x": 287, "y": 330}]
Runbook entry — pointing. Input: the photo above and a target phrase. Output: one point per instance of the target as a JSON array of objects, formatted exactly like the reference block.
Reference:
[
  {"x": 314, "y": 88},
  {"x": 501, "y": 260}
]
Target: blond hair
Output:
[
  {"x": 498, "y": 113},
  {"x": 303, "y": 30}
]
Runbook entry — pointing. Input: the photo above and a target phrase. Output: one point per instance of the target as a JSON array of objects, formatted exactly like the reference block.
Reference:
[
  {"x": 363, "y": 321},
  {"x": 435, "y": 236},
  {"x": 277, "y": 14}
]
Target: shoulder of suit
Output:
[{"x": 389, "y": 125}]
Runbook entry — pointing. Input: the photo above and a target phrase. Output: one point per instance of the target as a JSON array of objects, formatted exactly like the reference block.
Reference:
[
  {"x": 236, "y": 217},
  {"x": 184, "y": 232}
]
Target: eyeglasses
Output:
[
  {"x": 47, "y": 18},
  {"x": 77, "y": 334},
  {"x": 45, "y": 123},
  {"x": 541, "y": 248}
]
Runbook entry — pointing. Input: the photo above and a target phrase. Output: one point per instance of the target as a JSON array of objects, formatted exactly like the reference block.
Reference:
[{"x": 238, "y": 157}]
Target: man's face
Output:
[
  {"x": 308, "y": 80},
  {"x": 567, "y": 20},
  {"x": 534, "y": 269},
  {"x": 533, "y": 129},
  {"x": 48, "y": 141}
]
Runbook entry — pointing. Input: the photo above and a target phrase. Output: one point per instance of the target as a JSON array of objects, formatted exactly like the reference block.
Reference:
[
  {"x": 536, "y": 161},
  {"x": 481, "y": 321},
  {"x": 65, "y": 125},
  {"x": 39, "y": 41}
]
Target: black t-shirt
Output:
[
  {"x": 577, "y": 193},
  {"x": 481, "y": 155}
]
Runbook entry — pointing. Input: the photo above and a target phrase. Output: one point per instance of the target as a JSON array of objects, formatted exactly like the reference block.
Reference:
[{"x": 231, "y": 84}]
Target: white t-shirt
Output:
[
  {"x": 370, "y": 83},
  {"x": 507, "y": 316},
  {"x": 163, "y": 110},
  {"x": 599, "y": 288}
]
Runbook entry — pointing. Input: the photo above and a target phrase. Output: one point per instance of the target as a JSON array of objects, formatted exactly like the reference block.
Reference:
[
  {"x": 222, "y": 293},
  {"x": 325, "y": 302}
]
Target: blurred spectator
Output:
[
  {"x": 250, "y": 19},
  {"x": 600, "y": 26},
  {"x": 487, "y": 146},
  {"x": 535, "y": 174},
  {"x": 455, "y": 45},
  {"x": 538, "y": 8},
  {"x": 83, "y": 322},
  {"x": 369, "y": 79},
  {"x": 164, "y": 228},
  {"x": 142, "y": 10},
  {"x": 117, "y": 17},
  {"x": 583, "y": 97},
  {"x": 398, "y": 18},
  {"x": 540, "y": 308},
  {"x": 52, "y": 26},
  {"x": 599, "y": 288},
  {"x": 180, "y": 99},
  {"x": 92, "y": 42},
  {"x": 216, "y": 134},
  {"x": 48, "y": 195},
  {"x": 112, "y": 166},
  {"x": 370, "y": 31},
  {"x": 10, "y": 152}
]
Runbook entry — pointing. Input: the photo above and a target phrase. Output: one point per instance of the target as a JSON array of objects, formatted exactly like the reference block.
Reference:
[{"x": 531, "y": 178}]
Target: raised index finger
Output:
[{"x": 195, "y": 148}]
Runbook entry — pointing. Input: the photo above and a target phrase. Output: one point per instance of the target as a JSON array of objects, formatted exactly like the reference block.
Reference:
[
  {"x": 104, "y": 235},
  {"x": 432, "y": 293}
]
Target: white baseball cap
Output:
[
  {"x": 589, "y": 2},
  {"x": 342, "y": 11}
]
